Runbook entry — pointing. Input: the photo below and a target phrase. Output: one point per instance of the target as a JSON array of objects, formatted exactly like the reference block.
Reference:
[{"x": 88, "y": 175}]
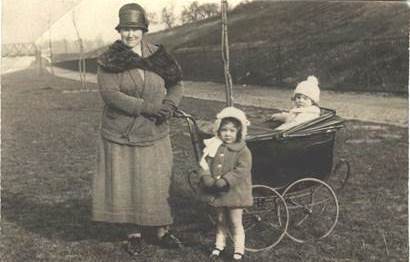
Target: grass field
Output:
[{"x": 49, "y": 131}]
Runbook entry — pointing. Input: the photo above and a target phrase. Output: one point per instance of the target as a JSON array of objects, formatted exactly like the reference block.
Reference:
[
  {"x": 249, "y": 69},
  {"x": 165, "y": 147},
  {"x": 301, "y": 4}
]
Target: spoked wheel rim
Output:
[
  {"x": 313, "y": 209},
  {"x": 266, "y": 222}
]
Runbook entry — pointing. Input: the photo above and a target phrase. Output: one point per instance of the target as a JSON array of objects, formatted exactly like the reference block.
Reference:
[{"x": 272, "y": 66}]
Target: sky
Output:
[
  {"x": 25, "y": 20},
  {"x": 28, "y": 20}
]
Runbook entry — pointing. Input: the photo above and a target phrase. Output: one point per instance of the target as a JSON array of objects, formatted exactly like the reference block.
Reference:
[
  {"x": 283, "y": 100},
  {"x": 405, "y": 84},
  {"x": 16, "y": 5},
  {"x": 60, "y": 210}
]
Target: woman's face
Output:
[{"x": 131, "y": 36}]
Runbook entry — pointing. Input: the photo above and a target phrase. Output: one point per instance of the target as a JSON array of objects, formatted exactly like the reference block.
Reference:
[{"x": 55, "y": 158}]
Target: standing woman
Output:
[{"x": 140, "y": 84}]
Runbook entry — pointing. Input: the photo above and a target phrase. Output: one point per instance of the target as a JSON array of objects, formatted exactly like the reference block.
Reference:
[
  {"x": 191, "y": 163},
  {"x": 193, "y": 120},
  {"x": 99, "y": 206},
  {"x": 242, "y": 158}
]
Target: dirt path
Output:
[
  {"x": 377, "y": 108},
  {"x": 12, "y": 64}
]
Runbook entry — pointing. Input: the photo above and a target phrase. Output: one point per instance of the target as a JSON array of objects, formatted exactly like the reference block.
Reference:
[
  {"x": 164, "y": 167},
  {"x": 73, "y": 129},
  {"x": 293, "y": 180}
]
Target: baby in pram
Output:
[{"x": 305, "y": 100}]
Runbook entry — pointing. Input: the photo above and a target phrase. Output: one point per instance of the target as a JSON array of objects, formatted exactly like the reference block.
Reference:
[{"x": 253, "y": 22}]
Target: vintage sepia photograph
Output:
[{"x": 204, "y": 130}]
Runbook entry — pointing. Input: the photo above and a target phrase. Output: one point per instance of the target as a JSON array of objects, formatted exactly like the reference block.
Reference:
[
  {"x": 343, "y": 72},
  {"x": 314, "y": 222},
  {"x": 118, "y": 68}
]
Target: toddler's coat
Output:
[{"x": 233, "y": 162}]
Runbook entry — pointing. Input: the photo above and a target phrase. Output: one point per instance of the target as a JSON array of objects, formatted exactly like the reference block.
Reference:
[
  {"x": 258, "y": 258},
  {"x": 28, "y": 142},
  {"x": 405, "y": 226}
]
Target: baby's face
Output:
[{"x": 302, "y": 101}]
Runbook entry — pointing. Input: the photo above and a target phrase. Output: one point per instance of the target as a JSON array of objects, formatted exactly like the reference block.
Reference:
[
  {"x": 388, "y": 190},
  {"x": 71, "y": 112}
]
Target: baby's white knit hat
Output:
[{"x": 309, "y": 88}]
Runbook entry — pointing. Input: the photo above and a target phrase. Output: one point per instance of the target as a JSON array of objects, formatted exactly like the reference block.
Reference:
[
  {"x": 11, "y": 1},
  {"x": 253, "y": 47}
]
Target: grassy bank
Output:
[{"x": 49, "y": 131}]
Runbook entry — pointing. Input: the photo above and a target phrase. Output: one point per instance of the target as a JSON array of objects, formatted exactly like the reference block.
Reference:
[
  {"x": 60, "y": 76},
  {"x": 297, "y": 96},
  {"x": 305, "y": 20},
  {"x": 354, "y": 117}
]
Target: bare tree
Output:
[
  {"x": 152, "y": 18},
  {"x": 168, "y": 16},
  {"x": 81, "y": 61},
  {"x": 65, "y": 42},
  {"x": 50, "y": 45},
  {"x": 242, "y": 4},
  {"x": 195, "y": 12},
  {"x": 190, "y": 13},
  {"x": 209, "y": 10}
]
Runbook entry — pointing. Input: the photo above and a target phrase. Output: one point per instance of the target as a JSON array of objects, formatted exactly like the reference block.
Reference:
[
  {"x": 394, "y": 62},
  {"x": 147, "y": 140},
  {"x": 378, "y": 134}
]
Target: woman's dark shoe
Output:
[
  {"x": 168, "y": 240},
  {"x": 134, "y": 245}
]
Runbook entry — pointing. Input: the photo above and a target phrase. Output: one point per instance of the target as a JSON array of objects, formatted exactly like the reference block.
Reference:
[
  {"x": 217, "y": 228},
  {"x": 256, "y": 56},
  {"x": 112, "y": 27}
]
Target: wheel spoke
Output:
[
  {"x": 311, "y": 216},
  {"x": 266, "y": 221},
  {"x": 302, "y": 220}
]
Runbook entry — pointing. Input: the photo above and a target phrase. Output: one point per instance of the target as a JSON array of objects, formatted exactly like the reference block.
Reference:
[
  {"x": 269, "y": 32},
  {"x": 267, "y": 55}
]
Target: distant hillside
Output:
[
  {"x": 347, "y": 45},
  {"x": 334, "y": 40},
  {"x": 293, "y": 22}
]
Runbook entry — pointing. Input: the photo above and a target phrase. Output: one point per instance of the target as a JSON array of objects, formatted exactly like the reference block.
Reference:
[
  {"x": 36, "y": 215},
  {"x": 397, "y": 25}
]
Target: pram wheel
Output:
[
  {"x": 265, "y": 223},
  {"x": 313, "y": 209}
]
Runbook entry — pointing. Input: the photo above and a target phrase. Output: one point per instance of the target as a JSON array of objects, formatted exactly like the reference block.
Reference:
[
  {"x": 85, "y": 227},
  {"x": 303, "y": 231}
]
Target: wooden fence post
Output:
[
  {"x": 39, "y": 61},
  {"x": 367, "y": 46}
]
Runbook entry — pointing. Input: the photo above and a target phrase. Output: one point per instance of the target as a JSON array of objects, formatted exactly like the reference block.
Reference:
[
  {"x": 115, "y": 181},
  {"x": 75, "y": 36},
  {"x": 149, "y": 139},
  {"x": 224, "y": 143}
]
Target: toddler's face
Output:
[
  {"x": 302, "y": 100},
  {"x": 228, "y": 133}
]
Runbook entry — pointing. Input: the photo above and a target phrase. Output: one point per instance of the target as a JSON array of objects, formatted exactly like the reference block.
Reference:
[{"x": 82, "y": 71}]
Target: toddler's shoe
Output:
[
  {"x": 237, "y": 256},
  {"x": 215, "y": 254}
]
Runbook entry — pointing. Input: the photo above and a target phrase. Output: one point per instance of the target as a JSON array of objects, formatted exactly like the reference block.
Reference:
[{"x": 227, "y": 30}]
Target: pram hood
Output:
[{"x": 327, "y": 122}]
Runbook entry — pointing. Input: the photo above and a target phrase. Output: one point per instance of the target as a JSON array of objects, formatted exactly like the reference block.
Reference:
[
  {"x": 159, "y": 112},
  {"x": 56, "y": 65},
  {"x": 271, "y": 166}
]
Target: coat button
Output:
[
  {"x": 219, "y": 166},
  {"x": 221, "y": 154}
]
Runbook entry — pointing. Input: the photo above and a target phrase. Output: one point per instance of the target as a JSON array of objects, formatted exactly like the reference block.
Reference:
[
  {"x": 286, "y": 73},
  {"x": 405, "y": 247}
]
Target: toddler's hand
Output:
[
  {"x": 221, "y": 184},
  {"x": 207, "y": 181}
]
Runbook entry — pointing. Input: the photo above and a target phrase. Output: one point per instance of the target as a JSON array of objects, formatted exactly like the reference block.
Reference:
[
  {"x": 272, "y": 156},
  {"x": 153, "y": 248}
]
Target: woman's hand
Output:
[{"x": 166, "y": 111}]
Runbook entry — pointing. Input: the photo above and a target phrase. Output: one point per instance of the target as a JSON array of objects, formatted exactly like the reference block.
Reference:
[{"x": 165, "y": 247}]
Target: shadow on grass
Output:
[{"x": 71, "y": 220}]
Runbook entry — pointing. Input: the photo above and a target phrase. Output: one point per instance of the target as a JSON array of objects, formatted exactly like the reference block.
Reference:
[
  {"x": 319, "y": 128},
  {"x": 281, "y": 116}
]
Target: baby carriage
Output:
[{"x": 291, "y": 173}]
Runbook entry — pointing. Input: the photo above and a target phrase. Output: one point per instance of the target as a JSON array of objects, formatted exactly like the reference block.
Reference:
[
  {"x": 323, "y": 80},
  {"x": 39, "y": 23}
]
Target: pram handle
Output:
[{"x": 193, "y": 131}]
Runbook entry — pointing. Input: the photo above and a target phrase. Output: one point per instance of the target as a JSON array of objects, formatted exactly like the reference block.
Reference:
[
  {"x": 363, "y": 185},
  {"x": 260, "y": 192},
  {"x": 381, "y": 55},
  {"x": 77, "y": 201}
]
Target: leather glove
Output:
[
  {"x": 166, "y": 111},
  {"x": 221, "y": 185}
]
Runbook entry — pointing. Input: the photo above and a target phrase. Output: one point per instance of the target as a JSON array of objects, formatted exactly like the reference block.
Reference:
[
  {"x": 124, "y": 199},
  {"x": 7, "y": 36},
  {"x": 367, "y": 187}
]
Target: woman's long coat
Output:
[
  {"x": 134, "y": 164},
  {"x": 127, "y": 96}
]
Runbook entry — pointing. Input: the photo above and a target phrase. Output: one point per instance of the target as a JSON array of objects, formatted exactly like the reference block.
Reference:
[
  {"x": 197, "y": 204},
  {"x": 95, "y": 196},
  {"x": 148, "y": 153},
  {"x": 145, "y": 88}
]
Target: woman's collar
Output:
[{"x": 148, "y": 48}]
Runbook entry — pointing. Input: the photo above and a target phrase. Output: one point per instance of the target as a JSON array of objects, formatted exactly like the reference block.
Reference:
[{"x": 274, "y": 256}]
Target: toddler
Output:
[
  {"x": 305, "y": 99},
  {"x": 226, "y": 178}
]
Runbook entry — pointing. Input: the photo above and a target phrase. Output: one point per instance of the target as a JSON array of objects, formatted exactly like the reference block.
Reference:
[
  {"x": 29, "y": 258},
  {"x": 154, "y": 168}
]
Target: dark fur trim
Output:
[{"x": 119, "y": 58}]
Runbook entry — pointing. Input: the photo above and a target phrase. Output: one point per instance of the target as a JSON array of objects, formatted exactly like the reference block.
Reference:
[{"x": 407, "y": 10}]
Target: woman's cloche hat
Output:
[{"x": 132, "y": 16}]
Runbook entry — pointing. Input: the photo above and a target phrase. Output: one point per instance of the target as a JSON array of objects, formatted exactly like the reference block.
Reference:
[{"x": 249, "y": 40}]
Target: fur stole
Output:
[{"x": 119, "y": 58}]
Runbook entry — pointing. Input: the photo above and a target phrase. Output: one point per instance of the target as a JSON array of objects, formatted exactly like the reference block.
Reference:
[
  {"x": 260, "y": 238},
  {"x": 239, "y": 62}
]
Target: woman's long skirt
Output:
[{"x": 132, "y": 183}]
